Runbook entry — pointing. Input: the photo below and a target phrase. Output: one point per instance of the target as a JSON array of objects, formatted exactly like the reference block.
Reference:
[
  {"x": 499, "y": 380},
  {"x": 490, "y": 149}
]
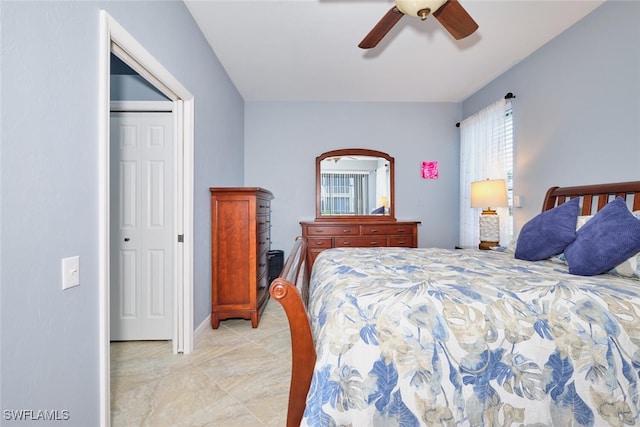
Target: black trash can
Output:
[{"x": 275, "y": 258}]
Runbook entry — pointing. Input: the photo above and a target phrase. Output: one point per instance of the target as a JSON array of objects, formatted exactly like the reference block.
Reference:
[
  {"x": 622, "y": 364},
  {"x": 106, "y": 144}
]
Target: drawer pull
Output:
[
  {"x": 346, "y": 230},
  {"x": 401, "y": 242},
  {"x": 320, "y": 231},
  {"x": 346, "y": 243},
  {"x": 374, "y": 243},
  {"x": 374, "y": 230},
  {"x": 401, "y": 230},
  {"x": 318, "y": 243}
]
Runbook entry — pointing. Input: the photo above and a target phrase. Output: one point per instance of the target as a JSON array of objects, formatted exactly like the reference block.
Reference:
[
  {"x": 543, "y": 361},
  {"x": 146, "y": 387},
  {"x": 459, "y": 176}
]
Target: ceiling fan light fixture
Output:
[
  {"x": 419, "y": 8},
  {"x": 423, "y": 13}
]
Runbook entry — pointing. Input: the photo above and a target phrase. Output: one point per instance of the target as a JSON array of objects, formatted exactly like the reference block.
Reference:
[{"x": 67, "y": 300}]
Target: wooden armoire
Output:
[{"x": 240, "y": 240}]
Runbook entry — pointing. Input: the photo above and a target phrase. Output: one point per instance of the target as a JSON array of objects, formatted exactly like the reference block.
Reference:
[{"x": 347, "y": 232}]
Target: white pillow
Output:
[
  {"x": 582, "y": 220},
  {"x": 628, "y": 268}
]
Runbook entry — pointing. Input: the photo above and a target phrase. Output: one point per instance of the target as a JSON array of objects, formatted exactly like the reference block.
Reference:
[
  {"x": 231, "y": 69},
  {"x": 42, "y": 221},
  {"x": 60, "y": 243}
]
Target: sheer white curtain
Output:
[{"x": 483, "y": 149}]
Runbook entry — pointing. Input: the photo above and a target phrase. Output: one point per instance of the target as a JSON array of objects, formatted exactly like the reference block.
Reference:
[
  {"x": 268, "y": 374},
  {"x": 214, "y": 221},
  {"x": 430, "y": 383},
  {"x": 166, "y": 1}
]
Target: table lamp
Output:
[
  {"x": 487, "y": 194},
  {"x": 383, "y": 204}
]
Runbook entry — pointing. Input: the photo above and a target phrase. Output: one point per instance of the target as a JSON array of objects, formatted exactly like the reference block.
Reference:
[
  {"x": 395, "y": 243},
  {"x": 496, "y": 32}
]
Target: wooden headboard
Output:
[{"x": 594, "y": 197}]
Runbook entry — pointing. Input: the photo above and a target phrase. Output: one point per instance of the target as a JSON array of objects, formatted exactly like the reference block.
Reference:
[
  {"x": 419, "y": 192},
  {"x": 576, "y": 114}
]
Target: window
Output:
[
  {"x": 486, "y": 152},
  {"x": 508, "y": 156},
  {"x": 344, "y": 193}
]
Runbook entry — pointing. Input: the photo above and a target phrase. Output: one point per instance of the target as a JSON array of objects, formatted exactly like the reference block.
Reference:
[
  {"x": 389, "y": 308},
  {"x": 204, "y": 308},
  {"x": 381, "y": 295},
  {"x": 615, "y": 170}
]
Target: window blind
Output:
[{"x": 344, "y": 193}]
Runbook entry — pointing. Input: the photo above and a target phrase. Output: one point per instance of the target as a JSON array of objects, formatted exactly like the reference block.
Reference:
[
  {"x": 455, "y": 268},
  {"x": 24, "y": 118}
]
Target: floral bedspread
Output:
[{"x": 424, "y": 337}]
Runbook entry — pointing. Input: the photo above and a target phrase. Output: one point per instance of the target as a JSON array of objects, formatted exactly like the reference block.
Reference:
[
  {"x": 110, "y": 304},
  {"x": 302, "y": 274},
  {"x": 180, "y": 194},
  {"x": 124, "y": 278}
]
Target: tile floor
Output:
[{"x": 236, "y": 376}]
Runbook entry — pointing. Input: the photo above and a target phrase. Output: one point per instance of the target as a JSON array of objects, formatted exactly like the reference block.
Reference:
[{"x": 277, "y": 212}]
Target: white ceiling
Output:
[{"x": 306, "y": 50}]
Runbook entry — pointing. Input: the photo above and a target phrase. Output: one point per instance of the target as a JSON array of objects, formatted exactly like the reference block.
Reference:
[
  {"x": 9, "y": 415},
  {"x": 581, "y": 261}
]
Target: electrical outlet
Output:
[{"x": 70, "y": 272}]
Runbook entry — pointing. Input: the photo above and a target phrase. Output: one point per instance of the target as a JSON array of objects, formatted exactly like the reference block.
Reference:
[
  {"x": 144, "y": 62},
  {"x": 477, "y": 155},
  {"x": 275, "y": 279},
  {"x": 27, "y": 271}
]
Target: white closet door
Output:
[{"x": 142, "y": 259}]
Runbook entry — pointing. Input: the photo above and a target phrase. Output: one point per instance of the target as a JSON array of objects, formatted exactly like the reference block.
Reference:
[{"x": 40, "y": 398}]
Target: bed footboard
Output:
[{"x": 291, "y": 290}]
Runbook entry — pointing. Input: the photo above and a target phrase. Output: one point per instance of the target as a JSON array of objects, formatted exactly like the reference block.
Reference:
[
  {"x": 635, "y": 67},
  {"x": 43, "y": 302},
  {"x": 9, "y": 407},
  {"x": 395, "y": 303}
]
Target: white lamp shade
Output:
[{"x": 491, "y": 193}]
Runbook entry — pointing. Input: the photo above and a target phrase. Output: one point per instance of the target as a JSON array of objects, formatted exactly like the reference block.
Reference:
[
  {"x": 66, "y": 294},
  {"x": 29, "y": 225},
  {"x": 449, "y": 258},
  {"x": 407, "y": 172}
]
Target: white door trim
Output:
[
  {"x": 114, "y": 38},
  {"x": 142, "y": 106}
]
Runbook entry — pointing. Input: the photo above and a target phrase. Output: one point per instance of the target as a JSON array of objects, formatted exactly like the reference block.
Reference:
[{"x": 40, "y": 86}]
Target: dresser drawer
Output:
[
  {"x": 391, "y": 229},
  {"x": 319, "y": 242},
  {"x": 401, "y": 241},
  {"x": 312, "y": 254},
  {"x": 263, "y": 223},
  {"x": 263, "y": 206},
  {"x": 262, "y": 266},
  {"x": 262, "y": 291},
  {"x": 333, "y": 230},
  {"x": 263, "y": 242},
  {"x": 360, "y": 242}
]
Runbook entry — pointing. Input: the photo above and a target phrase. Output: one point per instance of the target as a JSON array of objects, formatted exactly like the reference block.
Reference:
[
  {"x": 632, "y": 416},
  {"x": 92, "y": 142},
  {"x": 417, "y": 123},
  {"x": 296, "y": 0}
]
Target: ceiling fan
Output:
[{"x": 449, "y": 13}]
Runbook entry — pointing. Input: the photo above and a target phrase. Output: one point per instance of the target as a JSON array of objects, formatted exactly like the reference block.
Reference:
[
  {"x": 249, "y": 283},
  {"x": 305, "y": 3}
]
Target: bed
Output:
[{"x": 428, "y": 336}]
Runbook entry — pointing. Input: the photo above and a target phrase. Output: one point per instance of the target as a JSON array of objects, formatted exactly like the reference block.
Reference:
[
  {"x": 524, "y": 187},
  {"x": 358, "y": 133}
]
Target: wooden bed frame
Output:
[{"x": 291, "y": 288}]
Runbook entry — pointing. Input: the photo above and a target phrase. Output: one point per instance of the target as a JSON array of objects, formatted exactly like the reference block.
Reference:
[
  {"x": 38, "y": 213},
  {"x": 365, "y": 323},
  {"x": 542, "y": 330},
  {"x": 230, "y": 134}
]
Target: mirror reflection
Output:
[{"x": 354, "y": 183}]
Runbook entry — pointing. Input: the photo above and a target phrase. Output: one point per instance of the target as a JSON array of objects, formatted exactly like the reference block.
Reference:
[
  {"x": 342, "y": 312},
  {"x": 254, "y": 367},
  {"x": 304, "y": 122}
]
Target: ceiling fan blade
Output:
[
  {"x": 381, "y": 29},
  {"x": 455, "y": 19}
]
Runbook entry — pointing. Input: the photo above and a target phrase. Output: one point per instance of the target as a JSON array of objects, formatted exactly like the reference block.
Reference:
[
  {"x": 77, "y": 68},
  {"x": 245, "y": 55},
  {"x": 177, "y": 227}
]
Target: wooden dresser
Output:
[
  {"x": 327, "y": 234},
  {"x": 240, "y": 239}
]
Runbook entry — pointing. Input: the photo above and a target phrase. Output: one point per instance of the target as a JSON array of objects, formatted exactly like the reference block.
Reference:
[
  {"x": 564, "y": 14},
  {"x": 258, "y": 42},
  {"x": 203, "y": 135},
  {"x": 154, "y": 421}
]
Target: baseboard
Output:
[{"x": 200, "y": 330}]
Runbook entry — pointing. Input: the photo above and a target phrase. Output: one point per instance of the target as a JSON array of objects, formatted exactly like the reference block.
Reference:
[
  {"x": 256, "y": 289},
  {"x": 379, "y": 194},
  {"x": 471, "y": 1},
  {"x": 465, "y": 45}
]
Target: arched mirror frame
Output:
[{"x": 356, "y": 152}]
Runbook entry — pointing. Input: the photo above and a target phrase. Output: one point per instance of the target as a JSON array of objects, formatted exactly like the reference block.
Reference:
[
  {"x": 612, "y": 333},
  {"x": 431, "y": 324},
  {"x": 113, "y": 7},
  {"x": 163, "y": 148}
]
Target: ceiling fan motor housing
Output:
[{"x": 419, "y": 8}]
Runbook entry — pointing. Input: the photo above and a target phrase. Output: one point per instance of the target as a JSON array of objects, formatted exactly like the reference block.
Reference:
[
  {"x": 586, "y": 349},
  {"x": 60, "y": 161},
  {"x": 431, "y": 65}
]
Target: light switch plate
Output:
[
  {"x": 70, "y": 272},
  {"x": 517, "y": 201}
]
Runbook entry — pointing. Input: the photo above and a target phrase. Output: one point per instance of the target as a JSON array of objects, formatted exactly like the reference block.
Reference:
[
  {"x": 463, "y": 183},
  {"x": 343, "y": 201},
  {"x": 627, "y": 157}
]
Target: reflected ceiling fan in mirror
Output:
[
  {"x": 338, "y": 158},
  {"x": 449, "y": 13}
]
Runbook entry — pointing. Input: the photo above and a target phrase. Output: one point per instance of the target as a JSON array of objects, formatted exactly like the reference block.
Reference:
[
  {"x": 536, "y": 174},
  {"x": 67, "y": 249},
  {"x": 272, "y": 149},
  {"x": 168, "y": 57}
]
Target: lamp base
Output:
[{"x": 489, "y": 230}]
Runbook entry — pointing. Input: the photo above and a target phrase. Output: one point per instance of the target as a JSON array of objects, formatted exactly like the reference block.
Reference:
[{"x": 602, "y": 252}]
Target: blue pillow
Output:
[
  {"x": 549, "y": 233},
  {"x": 377, "y": 211},
  {"x": 606, "y": 240}
]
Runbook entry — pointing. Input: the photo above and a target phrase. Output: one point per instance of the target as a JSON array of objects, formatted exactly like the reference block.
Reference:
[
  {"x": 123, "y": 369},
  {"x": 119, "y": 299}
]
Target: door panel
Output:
[
  {"x": 127, "y": 289},
  {"x": 142, "y": 232}
]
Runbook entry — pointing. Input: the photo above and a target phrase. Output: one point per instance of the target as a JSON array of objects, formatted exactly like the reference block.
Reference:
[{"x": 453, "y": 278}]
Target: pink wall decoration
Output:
[{"x": 429, "y": 170}]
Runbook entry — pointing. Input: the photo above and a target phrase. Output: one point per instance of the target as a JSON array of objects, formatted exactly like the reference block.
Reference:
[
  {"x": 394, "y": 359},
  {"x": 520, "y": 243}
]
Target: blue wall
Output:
[
  {"x": 283, "y": 139},
  {"x": 133, "y": 88},
  {"x": 577, "y": 111},
  {"x": 127, "y": 85},
  {"x": 49, "y": 183}
]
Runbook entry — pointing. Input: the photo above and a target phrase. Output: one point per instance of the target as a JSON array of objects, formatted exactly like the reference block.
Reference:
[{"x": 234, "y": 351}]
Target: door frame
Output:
[{"x": 115, "y": 39}]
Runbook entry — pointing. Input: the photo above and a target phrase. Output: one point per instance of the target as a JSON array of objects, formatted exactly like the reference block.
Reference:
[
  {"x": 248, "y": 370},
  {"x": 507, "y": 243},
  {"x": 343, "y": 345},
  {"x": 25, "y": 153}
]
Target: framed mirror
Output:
[{"x": 355, "y": 183}]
